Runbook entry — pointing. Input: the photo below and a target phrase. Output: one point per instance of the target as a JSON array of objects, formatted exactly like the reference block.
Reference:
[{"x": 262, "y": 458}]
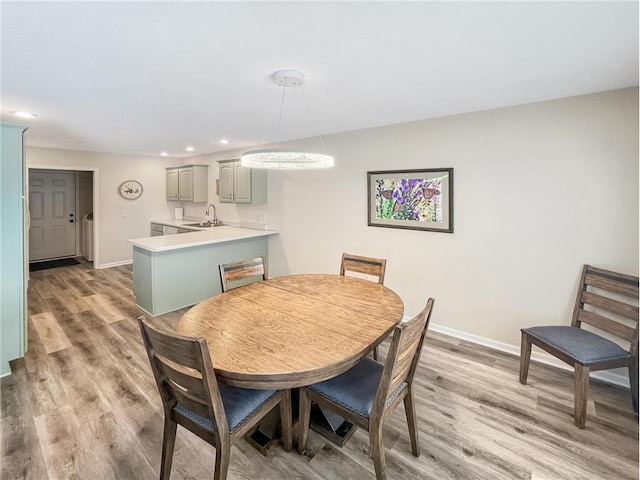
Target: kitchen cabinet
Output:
[
  {"x": 238, "y": 184},
  {"x": 156, "y": 230},
  {"x": 13, "y": 275},
  {"x": 188, "y": 183}
]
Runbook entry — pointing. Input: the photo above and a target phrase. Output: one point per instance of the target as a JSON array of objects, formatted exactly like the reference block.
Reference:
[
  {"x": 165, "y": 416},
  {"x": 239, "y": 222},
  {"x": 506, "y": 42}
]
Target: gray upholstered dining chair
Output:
[
  {"x": 607, "y": 301},
  {"x": 192, "y": 397},
  {"x": 369, "y": 392},
  {"x": 243, "y": 271},
  {"x": 370, "y": 266}
]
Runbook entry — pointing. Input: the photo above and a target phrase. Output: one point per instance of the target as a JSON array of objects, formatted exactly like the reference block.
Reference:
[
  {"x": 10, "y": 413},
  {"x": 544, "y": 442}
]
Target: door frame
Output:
[{"x": 96, "y": 204}]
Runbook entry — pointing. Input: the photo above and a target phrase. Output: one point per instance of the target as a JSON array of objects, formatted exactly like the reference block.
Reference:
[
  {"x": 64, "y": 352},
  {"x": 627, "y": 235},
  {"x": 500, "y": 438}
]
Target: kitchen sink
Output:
[{"x": 202, "y": 225}]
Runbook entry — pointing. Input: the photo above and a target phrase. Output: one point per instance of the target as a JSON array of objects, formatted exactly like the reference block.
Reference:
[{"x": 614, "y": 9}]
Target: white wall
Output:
[
  {"x": 539, "y": 190},
  {"x": 113, "y": 229}
]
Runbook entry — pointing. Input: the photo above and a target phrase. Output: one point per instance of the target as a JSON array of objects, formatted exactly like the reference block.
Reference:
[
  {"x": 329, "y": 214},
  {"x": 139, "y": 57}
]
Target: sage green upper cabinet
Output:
[
  {"x": 240, "y": 184},
  {"x": 172, "y": 184},
  {"x": 188, "y": 183},
  {"x": 226, "y": 182}
]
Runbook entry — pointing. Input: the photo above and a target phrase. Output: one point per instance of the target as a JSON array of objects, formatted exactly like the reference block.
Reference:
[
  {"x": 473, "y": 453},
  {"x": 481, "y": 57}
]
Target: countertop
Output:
[{"x": 199, "y": 236}]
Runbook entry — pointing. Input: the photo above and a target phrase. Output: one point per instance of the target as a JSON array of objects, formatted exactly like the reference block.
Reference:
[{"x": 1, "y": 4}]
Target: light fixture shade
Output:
[{"x": 285, "y": 159}]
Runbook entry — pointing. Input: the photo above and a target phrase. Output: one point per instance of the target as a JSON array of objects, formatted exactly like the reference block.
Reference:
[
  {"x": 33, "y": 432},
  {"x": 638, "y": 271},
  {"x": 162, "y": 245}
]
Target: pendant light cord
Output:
[
  {"x": 284, "y": 90},
  {"x": 269, "y": 119},
  {"x": 287, "y": 158},
  {"x": 315, "y": 125},
  {"x": 306, "y": 101}
]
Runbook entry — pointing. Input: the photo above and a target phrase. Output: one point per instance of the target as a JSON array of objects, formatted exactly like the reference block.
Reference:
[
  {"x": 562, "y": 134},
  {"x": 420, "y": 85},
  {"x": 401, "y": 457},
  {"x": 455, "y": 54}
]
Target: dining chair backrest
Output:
[
  {"x": 184, "y": 374},
  {"x": 364, "y": 265},
  {"x": 242, "y": 270},
  {"x": 403, "y": 357},
  {"x": 608, "y": 301}
]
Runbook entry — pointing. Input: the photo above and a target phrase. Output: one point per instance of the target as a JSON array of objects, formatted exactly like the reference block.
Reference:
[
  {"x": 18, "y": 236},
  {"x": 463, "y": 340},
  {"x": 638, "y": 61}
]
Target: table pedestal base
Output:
[
  {"x": 267, "y": 434},
  {"x": 327, "y": 423},
  {"x": 330, "y": 425}
]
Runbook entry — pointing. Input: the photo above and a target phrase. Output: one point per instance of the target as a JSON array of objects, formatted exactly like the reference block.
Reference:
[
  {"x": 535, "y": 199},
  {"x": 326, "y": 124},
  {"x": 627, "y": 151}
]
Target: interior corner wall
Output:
[
  {"x": 114, "y": 227},
  {"x": 539, "y": 190}
]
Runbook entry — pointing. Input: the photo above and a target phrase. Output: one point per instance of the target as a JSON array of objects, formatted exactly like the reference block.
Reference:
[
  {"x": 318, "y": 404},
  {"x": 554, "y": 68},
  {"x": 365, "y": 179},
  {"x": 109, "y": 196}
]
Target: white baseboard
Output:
[
  {"x": 148, "y": 313},
  {"x": 115, "y": 264},
  {"x": 537, "y": 356}
]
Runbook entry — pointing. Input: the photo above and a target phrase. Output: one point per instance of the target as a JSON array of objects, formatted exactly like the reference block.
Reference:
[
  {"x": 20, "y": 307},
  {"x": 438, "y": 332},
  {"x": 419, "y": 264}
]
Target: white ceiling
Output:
[{"x": 144, "y": 77}]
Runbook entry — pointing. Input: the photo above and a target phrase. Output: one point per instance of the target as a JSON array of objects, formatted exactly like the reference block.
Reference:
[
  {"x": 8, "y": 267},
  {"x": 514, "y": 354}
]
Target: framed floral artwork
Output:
[{"x": 412, "y": 199}]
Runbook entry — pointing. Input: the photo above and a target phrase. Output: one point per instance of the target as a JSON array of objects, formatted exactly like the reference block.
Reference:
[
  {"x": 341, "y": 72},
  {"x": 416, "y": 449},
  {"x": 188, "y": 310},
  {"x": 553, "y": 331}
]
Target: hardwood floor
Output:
[{"x": 82, "y": 404}]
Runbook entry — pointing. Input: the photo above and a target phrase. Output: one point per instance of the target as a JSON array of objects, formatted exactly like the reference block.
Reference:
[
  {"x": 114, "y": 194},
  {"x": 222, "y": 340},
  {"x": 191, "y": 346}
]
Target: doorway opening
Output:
[{"x": 61, "y": 209}]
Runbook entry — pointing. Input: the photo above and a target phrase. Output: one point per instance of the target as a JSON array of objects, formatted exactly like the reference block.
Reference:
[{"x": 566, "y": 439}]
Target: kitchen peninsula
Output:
[{"x": 176, "y": 271}]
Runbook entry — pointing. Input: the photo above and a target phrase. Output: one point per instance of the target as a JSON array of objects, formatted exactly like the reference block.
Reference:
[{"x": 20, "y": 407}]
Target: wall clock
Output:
[{"x": 130, "y": 189}]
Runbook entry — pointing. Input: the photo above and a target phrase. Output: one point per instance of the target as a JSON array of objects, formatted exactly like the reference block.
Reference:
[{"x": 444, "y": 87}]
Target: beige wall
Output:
[
  {"x": 112, "y": 228},
  {"x": 540, "y": 189}
]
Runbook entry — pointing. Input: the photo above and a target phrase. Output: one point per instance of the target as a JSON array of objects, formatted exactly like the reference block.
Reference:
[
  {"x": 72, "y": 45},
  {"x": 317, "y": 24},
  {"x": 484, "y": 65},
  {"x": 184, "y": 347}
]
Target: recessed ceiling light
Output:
[
  {"x": 189, "y": 149},
  {"x": 24, "y": 114},
  {"x": 224, "y": 141},
  {"x": 164, "y": 154}
]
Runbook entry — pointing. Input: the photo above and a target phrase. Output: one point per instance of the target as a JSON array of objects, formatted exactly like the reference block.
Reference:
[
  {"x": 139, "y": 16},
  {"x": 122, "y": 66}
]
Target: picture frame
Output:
[{"x": 411, "y": 199}]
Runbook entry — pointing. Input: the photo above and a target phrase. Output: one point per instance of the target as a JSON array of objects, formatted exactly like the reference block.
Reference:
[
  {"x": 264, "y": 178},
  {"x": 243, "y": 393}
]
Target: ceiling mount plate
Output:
[{"x": 288, "y": 78}]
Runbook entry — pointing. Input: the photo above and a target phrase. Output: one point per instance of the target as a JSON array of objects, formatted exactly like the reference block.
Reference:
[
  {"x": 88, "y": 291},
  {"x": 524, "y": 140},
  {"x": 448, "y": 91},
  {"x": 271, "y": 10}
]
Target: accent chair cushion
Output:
[
  {"x": 584, "y": 346},
  {"x": 356, "y": 388},
  {"x": 239, "y": 404}
]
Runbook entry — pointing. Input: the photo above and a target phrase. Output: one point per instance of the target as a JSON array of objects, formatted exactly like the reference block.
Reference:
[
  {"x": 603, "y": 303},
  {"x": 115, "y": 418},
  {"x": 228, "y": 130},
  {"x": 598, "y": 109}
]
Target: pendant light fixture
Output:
[{"x": 278, "y": 158}]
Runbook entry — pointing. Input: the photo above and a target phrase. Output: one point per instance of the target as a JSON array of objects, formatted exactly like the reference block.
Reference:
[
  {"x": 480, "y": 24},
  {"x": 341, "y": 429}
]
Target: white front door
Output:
[{"x": 52, "y": 205}]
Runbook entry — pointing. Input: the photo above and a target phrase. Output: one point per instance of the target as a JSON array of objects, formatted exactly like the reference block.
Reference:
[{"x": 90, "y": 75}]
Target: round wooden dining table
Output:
[{"x": 292, "y": 331}]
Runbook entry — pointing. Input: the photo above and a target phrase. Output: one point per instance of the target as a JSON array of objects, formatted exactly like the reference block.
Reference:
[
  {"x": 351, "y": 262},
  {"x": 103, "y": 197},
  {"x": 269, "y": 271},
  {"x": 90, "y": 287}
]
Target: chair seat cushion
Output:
[
  {"x": 584, "y": 346},
  {"x": 356, "y": 388},
  {"x": 239, "y": 404}
]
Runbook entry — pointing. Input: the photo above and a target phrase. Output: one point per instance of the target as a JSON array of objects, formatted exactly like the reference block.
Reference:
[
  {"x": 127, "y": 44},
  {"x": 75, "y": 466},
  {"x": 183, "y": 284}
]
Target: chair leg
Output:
[
  {"x": 410, "y": 410},
  {"x": 377, "y": 450},
  {"x": 223, "y": 453},
  {"x": 285, "y": 418},
  {"x": 633, "y": 381},
  {"x": 581, "y": 388},
  {"x": 304, "y": 412},
  {"x": 525, "y": 358},
  {"x": 375, "y": 353},
  {"x": 168, "y": 444}
]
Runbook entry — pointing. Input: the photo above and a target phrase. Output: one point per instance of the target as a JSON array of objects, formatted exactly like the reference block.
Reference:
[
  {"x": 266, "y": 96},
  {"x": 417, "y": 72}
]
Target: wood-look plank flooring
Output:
[{"x": 82, "y": 404}]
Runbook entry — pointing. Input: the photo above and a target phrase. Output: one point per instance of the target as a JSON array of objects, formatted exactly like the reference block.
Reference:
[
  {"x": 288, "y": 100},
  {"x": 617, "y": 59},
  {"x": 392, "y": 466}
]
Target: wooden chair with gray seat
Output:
[
  {"x": 192, "y": 397},
  {"x": 242, "y": 271},
  {"x": 369, "y": 392},
  {"x": 373, "y": 267},
  {"x": 607, "y": 301}
]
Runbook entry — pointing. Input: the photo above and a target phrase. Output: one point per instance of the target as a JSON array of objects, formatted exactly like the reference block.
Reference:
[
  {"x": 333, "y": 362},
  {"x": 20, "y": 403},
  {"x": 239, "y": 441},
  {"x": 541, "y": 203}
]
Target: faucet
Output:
[{"x": 215, "y": 220}]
